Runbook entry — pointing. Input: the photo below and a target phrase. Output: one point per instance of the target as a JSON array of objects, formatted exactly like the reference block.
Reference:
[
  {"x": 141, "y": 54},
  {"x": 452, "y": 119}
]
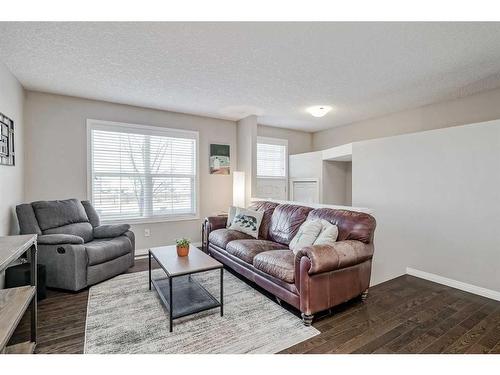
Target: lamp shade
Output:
[{"x": 238, "y": 189}]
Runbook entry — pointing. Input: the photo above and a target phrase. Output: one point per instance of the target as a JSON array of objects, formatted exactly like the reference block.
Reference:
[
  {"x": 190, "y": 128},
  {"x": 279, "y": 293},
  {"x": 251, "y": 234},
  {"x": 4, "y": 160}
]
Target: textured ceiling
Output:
[{"x": 275, "y": 70}]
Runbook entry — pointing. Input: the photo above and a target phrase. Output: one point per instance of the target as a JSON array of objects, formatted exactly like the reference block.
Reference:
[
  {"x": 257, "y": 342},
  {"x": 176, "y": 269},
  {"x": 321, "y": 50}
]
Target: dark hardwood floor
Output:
[{"x": 403, "y": 315}]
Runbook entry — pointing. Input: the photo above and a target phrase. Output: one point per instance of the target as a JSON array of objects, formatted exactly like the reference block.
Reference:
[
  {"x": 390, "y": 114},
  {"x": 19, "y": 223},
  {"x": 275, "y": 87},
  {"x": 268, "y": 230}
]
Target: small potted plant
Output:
[{"x": 182, "y": 247}]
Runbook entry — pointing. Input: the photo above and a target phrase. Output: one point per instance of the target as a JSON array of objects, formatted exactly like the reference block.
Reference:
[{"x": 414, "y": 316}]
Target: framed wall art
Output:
[
  {"x": 220, "y": 159},
  {"x": 7, "y": 152}
]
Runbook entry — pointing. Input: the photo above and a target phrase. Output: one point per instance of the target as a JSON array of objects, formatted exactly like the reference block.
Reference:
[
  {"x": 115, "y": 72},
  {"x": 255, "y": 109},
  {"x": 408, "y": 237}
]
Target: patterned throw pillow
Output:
[
  {"x": 306, "y": 235},
  {"x": 328, "y": 234},
  {"x": 247, "y": 221}
]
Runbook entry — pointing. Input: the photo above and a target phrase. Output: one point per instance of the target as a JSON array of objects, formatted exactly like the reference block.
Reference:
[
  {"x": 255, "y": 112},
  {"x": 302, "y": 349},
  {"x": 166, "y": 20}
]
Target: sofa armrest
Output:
[
  {"x": 215, "y": 222},
  {"x": 110, "y": 231},
  {"x": 326, "y": 258},
  {"x": 59, "y": 239}
]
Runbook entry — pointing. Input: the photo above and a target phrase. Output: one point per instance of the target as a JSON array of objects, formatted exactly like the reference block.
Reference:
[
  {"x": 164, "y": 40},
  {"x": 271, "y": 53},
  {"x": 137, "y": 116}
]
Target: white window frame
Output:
[
  {"x": 274, "y": 141},
  {"x": 93, "y": 124}
]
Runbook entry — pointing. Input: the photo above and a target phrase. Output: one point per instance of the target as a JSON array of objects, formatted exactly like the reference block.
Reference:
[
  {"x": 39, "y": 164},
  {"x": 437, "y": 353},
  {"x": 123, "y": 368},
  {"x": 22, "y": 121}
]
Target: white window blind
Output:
[
  {"x": 139, "y": 173},
  {"x": 271, "y": 158}
]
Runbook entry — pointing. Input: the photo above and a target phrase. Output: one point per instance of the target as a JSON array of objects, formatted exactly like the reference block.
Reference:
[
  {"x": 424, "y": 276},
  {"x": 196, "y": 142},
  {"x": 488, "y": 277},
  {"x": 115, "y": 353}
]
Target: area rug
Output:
[{"x": 123, "y": 316}]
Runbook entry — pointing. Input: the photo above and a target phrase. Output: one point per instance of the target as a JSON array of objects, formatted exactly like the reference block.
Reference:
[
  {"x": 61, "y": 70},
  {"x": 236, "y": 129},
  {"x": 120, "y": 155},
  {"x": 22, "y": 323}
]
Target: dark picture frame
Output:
[
  {"x": 219, "y": 159},
  {"x": 7, "y": 151}
]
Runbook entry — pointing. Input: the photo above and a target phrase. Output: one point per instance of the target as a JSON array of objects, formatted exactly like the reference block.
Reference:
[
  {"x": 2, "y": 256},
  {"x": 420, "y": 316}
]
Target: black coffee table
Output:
[{"x": 181, "y": 294}]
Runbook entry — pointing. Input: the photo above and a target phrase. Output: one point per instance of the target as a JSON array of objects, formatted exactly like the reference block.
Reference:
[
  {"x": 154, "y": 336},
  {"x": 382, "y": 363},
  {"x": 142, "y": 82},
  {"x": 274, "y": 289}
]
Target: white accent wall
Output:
[{"x": 436, "y": 197}]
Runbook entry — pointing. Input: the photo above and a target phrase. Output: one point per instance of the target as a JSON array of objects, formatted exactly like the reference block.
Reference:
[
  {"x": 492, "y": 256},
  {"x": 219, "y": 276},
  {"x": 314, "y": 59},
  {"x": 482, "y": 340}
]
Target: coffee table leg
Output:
[
  {"x": 149, "y": 253},
  {"x": 170, "y": 299},
  {"x": 222, "y": 292}
]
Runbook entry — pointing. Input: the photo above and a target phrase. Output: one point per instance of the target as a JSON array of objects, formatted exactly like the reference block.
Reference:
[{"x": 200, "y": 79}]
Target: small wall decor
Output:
[
  {"x": 220, "y": 160},
  {"x": 7, "y": 154}
]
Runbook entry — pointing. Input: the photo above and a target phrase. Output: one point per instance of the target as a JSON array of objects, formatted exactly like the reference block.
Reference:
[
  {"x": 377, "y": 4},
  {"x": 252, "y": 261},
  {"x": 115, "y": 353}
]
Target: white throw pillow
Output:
[
  {"x": 247, "y": 221},
  {"x": 306, "y": 235},
  {"x": 328, "y": 234},
  {"x": 230, "y": 215}
]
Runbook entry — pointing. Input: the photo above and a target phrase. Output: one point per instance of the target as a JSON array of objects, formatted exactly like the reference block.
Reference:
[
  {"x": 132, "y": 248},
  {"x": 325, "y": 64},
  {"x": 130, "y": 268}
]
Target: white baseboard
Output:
[
  {"x": 143, "y": 253},
  {"x": 488, "y": 293}
]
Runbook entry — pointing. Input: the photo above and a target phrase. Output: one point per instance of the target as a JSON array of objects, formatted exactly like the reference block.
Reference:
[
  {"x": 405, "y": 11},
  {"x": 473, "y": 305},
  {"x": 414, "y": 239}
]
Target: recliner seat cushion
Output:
[
  {"x": 246, "y": 250},
  {"x": 100, "y": 251},
  {"x": 52, "y": 214},
  {"x": 286, "y": 221},
  {"x": 221, "y": 237},
  {"x": 83, "y": 230},
  {"x": 277, "y": 263}
]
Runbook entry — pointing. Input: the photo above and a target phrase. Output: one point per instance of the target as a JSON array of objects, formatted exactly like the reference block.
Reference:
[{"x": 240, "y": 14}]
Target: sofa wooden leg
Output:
[
  {"x": 364, "y": 295},
  {"x": 307, "y": 319}
]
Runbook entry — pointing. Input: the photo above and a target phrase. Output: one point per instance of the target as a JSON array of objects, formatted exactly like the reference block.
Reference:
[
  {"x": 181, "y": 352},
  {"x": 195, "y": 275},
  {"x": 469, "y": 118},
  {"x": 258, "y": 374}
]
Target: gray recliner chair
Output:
[{"x": 76, "y": 250}]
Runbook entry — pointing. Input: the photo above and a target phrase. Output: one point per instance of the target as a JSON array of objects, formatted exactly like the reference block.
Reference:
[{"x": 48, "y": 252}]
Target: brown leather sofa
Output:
[{"x": 318, "y": 277}]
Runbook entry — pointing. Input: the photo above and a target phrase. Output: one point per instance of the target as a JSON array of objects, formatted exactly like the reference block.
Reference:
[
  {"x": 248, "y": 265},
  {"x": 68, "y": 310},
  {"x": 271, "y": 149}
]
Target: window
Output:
[
  {"x": 142, "y": 173},
  {"x": 272, "y": 168},
  {"x": 272, "y": 157}
]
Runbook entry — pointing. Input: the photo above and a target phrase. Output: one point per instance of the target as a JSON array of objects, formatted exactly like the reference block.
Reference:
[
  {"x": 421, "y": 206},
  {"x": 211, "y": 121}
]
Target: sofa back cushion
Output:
[
  {"x": 267, "y": 208},
  {"x": 286, "y": 221},
  {"x": 53, "y": 214},
  {"x": 352, "y": 225},
  {"x": 28, "y": 223},
  {"x": 92, "y": 214}
]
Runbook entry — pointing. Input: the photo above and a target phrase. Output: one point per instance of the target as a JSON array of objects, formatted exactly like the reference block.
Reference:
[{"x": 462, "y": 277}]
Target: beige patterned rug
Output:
[{"x": 123, "y": 316}]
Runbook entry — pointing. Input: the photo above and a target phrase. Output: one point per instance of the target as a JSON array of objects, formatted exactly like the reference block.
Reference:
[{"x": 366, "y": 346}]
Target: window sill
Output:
[
  {"x": 271, "y": 178},
  {"x": 152, "y": 220}
]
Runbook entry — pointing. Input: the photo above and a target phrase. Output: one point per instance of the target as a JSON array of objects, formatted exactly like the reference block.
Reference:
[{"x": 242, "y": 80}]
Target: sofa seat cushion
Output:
[
  {"x": 246, "y": 250},
  {"x": 277, "y": 263},
  {"x": 221, "y": 237},
  {"x": 104, "y": 250}
]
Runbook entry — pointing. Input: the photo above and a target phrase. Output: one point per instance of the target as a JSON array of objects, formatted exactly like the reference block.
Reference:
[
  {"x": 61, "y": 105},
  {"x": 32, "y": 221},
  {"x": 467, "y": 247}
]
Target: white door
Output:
[{"x": 305, "y": 191}]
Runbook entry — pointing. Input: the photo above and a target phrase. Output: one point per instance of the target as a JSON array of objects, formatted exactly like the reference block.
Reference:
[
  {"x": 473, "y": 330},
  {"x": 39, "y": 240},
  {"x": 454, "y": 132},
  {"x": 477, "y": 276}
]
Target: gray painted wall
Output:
[
  {"x": 11, "y": 178},
  {"x": 247, "y": 153},
  {"x": 56, "y": 157},
  {"x": 298, "y": 142},
  {"x": 436, "y": 197},
  {"x": 468, "y": 110},
  {"x": 334, "y": 179}
]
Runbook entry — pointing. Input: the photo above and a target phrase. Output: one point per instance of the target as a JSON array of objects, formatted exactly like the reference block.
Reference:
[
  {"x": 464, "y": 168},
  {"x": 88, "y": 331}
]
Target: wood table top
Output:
[
  {"x": 174, "y": 265},
  {"x": 12, "y": 247}
]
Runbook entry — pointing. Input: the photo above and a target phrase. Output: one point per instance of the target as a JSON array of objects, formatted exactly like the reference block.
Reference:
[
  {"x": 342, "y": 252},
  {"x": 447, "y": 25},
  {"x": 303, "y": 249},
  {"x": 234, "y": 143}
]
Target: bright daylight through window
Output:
[
  {"x": 271, "y": 158},
  {"x": 142, "y": 173}
]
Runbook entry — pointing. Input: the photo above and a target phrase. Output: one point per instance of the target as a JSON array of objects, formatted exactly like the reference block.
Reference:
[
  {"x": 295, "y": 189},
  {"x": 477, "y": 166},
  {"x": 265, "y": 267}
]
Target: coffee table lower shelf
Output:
[{"x": 188, "y": 297}]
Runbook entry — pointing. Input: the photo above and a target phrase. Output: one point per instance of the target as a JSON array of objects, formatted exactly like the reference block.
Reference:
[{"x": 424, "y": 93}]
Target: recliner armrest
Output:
[
  {"x": 110, "y": 230},
  {"x": 326, "y": 258},
  {"x": 59, "y": 239}
]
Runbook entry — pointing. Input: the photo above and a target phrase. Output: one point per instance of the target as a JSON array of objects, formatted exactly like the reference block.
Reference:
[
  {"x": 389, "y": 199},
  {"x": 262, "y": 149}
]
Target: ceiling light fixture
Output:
[{"x": 319, "y": 110}]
